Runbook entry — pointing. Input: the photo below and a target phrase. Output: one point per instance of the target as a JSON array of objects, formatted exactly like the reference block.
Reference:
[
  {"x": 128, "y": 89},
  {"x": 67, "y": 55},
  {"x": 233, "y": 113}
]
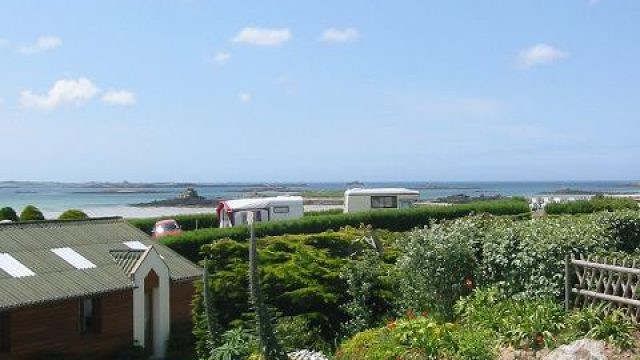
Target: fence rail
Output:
[{"x": 601, "y": 280}]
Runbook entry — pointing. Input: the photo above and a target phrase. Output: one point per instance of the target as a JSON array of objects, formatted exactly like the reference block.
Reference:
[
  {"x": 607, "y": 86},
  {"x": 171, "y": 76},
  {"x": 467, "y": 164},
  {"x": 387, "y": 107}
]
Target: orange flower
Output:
[{"x": 468, "y": 282}]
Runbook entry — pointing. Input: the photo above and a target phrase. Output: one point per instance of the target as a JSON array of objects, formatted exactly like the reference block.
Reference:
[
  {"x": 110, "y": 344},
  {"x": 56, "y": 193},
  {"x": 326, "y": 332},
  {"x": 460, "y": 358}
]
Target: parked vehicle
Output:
[
  {"x": 359, "y": 199},
  {"x": 165, "y": 228},
  {"x": 234, "y": 212}
]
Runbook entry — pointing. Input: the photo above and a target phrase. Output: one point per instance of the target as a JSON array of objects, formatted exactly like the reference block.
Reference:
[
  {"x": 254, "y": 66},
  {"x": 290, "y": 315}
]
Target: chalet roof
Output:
[{"x": 100, "y": 241}]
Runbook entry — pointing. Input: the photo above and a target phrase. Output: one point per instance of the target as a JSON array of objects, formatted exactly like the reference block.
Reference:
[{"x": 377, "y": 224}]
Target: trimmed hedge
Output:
[
  {"x": 189, "y": 243},
  {"x": 187, "y": 222},
  {"x": 598, "y": 203}
]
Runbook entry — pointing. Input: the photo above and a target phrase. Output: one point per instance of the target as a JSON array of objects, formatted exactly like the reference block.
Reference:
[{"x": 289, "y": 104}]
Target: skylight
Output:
[
  {"x": 135, "y": 245},
  {"x": 72, "y": 257},
  {"x": 14, "y": 267}
]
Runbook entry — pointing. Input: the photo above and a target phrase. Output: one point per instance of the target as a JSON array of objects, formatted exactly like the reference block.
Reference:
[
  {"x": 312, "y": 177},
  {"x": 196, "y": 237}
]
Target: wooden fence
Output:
[{"x": 603, "y": 281}]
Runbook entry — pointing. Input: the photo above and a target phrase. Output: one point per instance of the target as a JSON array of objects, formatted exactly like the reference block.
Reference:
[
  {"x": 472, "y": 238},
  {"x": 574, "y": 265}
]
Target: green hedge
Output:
[
  {"x": 187, "y": 222},
  {"x": 189, "y": 243},
  {"x": 598, "y": 203}
]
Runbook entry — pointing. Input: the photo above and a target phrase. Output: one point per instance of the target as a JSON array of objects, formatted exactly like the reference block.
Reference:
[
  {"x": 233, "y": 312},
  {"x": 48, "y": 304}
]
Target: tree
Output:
[
  {"x": 31, "y": 213},
  {"x": 7, "y": 213},
  {"x": 73, "y": 214}
]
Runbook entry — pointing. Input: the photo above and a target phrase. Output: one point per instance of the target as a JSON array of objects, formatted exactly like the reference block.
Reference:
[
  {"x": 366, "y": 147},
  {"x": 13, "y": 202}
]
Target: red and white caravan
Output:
[{"x": 234, "y": 212}]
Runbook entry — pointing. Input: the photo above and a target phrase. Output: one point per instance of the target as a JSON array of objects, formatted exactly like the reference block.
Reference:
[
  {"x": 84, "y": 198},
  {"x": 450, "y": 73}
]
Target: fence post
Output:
[{"x": 567, "y": 282}]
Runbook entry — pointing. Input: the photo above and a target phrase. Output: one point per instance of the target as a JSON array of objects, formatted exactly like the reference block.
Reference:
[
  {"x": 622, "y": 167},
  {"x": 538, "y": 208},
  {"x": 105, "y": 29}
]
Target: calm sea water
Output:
[{"x": 55, "y": 197}]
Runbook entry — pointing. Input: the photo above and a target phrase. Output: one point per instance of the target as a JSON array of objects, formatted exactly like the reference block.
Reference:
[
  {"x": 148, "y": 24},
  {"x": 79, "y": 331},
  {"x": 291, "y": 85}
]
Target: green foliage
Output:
[
  {"x": 593, "y": 322},
  {"x": 187, "y": 222},
  {"x": 189, "y": 243},
  {"x": 373, "y": 344},
  {"x": 437, "y": 264},
  {"x": 323, "y": 212},
  {"x": 269, "y": 344},
  {"x": 237, "y": 344},
  {"x": 298, "y": 332},
  {"x": 366, "y": 290},
  {"x": 419, "y": 338},
  {"x": 31, "y": 213},
  {"x": 525, "y": 257},
  {"x": 73, "y": 214},
  {"x": 520, "y": 323},
  {"x": 7, "y": 213},
  {"x": 595, "y": 204}
]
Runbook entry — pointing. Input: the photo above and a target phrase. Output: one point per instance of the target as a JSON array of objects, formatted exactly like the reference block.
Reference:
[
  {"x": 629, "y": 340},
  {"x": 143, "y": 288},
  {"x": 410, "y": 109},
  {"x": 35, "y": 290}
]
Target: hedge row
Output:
[
  {"x": 188, "y": 244},
  {"x": 187, "y": 222},
  {"x": 598, "y": 203}
]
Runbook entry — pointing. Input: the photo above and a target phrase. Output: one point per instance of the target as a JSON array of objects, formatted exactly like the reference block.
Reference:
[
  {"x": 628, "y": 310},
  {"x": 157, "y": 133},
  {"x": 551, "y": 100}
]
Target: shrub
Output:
[
  {"x": 7, "y": 213},
  {"x": 73, "y": 214},
  {"x": 31, "y": 213},
  {"x": 189, "y": 243},
  {"x": 597, "y": 203},
  {"x": 519, "y": 323},
  {"x": 436, "y": 265},
  {"x": 593, "y": 322},
  {"x": 323, "y": 212},
  {"x": 373, "y": 344}
]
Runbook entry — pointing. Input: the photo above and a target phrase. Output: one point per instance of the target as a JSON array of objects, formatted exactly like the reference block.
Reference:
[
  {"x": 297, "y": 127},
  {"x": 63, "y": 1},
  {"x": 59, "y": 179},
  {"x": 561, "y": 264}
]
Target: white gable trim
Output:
[{"x": 160, "y": 311}]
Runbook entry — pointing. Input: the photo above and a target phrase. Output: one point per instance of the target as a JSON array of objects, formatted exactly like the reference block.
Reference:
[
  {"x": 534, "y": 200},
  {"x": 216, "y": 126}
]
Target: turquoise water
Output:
[{"x": 53, "y": 197}]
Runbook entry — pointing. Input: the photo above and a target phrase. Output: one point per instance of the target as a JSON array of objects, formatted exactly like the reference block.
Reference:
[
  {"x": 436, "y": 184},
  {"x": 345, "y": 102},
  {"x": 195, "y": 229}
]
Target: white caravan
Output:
[
  {"x": 234, "y": 212},
  {"x": 358, "y": 199}
]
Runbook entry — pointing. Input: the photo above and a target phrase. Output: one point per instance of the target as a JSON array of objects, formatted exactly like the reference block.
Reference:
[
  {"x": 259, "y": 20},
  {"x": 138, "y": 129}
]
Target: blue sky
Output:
[{"x": 289, "y": 90}]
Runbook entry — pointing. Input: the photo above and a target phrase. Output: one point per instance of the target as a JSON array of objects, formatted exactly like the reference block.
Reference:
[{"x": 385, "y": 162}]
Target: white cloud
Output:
[
  {"x": 222, "y": 57},
  {"x": 540, "y": 54},
  {"x": 119, "y": 97},
  {"x": 43, "y": 43},
  {"x": 244, "y": 97},
  {"x": 334, "y": 35},
  {"x": 262, "y": 36},
  {"x": 63, "y": 91}
]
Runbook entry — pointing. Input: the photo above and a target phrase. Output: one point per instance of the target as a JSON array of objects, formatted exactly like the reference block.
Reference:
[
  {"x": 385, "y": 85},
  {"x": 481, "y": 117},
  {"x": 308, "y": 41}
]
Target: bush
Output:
[
  {"x": 187, "y": 222},
  {"x": 188, "y": 244},
  {"x": 73, "y": 214},
  {"x": 7, "y": 213},
  {"x": 31, "y": 213},
  {"x": 528, "y": 324},
  {"x": 438, "y": 264},
  {"x": 597, "y": 203},
  {"x": 593, "y": 322},
  {"x": 419, "y": 337}
]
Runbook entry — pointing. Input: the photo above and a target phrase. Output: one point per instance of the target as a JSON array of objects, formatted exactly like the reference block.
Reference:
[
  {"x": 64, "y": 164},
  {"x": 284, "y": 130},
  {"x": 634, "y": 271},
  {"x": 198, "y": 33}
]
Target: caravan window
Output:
[
  {"x": 384, "y": 202},
  {"x": 280, "y": 209}
]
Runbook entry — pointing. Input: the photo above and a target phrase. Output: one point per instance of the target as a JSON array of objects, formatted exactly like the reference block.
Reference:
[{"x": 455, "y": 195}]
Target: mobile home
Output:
[
  {"x": 234, "y": 212},
  {"x": 358, "y": 199}
]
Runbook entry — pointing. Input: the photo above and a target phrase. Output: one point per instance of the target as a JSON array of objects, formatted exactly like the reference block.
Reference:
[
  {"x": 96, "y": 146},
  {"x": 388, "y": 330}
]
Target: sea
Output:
[{"x": 116, "y": 199}]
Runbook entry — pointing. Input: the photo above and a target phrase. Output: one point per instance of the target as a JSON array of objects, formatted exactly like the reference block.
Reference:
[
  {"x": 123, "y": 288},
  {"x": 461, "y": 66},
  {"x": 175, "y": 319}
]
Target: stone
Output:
[{"x": 585, "y": 349}]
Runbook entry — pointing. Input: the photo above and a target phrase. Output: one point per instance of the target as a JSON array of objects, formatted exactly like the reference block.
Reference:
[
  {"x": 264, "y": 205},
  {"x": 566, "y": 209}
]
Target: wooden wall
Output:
[
  {"x": 54, "y": 328},
  {"x": 181, "y": 297}
]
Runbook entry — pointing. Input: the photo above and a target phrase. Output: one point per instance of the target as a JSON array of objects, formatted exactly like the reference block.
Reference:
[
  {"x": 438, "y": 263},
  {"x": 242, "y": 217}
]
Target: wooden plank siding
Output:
[
  {"x": 54, "y": 328},
  {"x": 181, "y": 297}
]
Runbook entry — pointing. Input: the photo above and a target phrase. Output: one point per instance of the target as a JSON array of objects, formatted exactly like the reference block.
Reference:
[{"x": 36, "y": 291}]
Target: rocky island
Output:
[{"x": 188, "y": 198}]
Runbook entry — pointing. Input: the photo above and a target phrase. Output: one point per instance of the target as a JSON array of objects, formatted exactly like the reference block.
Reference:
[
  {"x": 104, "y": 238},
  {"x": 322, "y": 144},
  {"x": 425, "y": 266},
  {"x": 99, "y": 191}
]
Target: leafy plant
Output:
[
  {"x": 614, "y": 328},
  {"x": 236, "y": 344},
  {"x": 7, "y": 213},
  {"x": 73, "y": 214},
  {"x": 31, "y": 213},
  {"x": 595, "y": 204}
]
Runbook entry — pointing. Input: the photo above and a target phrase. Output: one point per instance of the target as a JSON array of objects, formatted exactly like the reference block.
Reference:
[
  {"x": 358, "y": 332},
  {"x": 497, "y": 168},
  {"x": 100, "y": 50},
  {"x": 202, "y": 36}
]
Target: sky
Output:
[{"x": 332, "y": 90}]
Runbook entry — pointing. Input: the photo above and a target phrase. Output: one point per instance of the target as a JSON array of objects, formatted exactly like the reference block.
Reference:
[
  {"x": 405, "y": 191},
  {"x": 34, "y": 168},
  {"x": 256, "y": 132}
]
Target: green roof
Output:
[{"x": 101, "y": 241}]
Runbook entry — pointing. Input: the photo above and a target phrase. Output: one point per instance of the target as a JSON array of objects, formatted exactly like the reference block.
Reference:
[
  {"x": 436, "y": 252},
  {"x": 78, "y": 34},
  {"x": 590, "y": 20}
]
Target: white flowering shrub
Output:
[{"x": 523, "y": 257}]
